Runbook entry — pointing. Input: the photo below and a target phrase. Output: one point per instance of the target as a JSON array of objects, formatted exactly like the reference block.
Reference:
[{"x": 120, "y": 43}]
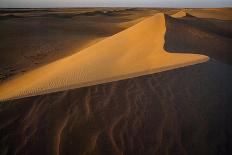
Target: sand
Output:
[
  {"x": 179, "y": 14},
  {"x": 41, "y": 36},
  {"x": 182, "y": 111},
  {"x": 133, "y": 52},
  {"x": 214, "y": 13},
  {"x": 208, "y": 37}
]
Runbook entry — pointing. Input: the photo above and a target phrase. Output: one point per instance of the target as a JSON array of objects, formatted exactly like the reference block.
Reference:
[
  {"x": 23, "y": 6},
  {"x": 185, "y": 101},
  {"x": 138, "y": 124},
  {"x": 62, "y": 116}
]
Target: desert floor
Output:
[{"x": 186, "y": 110}]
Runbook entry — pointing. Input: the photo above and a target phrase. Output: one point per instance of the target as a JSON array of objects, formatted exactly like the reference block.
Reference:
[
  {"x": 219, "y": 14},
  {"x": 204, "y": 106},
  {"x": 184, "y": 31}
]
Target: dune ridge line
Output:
[{"x": 133, "y": 52}]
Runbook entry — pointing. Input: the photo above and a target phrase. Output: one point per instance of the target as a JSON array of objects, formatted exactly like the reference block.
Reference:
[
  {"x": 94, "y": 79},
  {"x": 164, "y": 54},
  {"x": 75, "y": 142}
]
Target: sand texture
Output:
[
  {"x": 182, "y": 111},
  {"x": 31, "y": 38},
  {"x": 133, "y": 52},
  {"x": 177, "y": 112}
]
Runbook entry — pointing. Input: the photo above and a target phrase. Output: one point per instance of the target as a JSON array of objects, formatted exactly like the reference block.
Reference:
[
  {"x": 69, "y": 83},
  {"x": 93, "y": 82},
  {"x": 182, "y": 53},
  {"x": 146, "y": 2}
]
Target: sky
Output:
[{"x": 113, "y": 3}]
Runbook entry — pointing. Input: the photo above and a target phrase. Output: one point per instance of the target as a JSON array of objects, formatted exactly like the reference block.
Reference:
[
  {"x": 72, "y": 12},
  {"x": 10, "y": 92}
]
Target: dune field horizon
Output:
[{"x": 115, "y": 80}]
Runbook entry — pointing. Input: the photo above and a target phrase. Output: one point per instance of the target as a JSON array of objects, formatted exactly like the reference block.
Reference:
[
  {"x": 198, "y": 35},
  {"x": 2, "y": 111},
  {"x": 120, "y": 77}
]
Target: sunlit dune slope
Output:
[
  {"x": 179, "y": 14},
  {"x": 133, "y": 52}
]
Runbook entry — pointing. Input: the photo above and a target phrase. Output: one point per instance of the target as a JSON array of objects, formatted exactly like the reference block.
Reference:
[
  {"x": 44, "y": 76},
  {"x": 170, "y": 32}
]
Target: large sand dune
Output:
[
  {"x": 182, "y": 111},
  {"x": 41, "y": 36},
  {"x": 133, "y": 52}
]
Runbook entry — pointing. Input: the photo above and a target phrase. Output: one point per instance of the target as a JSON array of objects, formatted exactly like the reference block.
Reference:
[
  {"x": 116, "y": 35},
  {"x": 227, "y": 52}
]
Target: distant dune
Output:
[
  {"x": 214, "y": 13},
  {"x": 133, "y": 52},
  {"x": 179, "y": 14},
  {"x": 200, "y": 36}
]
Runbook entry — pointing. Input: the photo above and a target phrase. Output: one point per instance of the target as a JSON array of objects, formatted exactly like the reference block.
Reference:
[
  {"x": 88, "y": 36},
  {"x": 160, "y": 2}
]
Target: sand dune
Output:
[
  {"x": 220, "y": 14},
  {"x": 179, "y": 14},
  {"x": 41, "y": 36},
  {"x": 131, "y": 23},
  {"x": 182, "y": 111},
  {"x": 134, "y": 52},
  {"x": 202, "y": 36}
]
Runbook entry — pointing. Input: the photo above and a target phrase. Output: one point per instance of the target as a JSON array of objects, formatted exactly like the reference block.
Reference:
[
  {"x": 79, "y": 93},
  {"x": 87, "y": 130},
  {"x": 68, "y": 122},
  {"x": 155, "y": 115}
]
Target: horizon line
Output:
[{"x": 155, "y": 7}]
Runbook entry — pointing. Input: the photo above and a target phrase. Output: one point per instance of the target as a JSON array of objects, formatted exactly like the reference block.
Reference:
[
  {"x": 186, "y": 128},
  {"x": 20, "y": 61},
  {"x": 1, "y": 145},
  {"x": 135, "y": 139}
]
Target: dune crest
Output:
[
  {"x": 179, "y": 14},
  {"x": 136, "y": 51}
]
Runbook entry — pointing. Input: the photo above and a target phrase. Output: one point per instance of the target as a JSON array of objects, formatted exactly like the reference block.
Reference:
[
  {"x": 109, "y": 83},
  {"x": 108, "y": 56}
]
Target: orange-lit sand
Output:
[
  {"x": 179, "y": 14},
  {"x": 133, "y": 52},
  {"x": 42, "y": 36}
]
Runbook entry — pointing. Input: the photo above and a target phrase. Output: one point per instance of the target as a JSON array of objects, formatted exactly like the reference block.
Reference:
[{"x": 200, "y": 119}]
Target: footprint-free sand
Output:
[{"x": 133, "y": 52}]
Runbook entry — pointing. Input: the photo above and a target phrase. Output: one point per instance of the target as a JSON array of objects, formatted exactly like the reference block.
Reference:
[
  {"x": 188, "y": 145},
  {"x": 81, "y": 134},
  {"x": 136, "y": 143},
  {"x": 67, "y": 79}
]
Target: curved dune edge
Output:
[
  {"x": 179, "y": 14},
  {"x": 133, "y": 52}
]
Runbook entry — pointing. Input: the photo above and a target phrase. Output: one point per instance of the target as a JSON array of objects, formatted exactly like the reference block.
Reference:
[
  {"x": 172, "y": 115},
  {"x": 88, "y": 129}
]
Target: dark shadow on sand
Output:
[{"x": 209, "y": 37}]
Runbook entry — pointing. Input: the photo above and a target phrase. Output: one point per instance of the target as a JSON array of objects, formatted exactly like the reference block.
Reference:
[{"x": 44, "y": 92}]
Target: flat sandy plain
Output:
[{"x": 181, "y": 111}]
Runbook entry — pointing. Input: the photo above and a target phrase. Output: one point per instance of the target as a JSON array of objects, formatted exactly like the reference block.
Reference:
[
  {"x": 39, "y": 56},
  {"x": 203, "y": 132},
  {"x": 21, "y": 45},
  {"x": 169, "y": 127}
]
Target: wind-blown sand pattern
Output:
[
  {"x": 133, "y": 52},
  {"x": 45, "y": 35},
  {"x": 184, "y": 111}
]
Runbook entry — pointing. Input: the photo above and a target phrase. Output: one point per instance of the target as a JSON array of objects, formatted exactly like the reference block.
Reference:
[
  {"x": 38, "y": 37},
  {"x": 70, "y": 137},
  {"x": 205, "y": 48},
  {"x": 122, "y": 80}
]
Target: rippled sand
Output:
[
  {"x": 133, "y": 52},
  {"x": 181, "y": 111}
]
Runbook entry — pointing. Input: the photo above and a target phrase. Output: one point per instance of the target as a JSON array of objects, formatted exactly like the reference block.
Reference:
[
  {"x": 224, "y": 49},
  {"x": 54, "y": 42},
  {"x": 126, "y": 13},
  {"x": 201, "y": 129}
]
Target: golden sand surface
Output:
[
  {"x": 41, "y": 36},
  {"x": 181, "y": 111},
  {"x": 133, "y": 52},
  {"x": 179, "y": 14}
]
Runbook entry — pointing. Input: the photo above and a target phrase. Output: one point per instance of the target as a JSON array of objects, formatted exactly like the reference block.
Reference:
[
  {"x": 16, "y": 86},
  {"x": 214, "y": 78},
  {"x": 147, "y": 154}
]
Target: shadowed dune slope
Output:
[
  {"x": 133, "y": 52},
  {"x": 214, "y": 13},
  {"x": 186, "y": 111},
  {"x": 202, "y": 36}
]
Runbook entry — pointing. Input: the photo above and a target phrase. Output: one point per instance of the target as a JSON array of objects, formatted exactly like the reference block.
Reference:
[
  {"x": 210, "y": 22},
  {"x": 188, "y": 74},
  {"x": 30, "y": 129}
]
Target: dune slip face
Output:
[{"x": 136, "y": 51}]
